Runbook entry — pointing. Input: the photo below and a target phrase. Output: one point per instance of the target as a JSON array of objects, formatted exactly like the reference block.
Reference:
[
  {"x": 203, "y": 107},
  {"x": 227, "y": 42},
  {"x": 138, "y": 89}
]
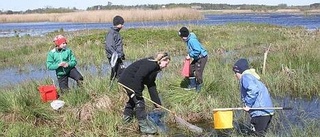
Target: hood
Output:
[
  {"x": 192, "y": 36},
  {"x": 252, "y": 72}
]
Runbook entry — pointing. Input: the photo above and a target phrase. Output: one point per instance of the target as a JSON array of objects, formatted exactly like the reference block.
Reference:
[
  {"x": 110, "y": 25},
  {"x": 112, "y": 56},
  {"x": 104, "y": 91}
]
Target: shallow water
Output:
[
  {"x": 303, "y": 110},
  {"x": 42, "y": 28}
]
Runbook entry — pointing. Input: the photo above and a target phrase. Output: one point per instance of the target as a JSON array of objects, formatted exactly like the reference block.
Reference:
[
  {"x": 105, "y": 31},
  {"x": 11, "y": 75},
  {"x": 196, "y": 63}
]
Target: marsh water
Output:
[
  {"x": 303, "y": 109},
  {"x": 310, "y": 22}
]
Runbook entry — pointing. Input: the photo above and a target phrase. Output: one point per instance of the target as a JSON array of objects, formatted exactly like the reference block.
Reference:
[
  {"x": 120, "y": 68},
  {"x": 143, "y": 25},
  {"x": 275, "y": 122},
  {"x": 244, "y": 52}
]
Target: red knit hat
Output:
[{"x": 58, "y": 40}]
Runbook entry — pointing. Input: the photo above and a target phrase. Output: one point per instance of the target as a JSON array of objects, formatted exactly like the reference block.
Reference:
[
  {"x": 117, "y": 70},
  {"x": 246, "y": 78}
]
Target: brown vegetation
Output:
[{"x": 107, "y": 15}]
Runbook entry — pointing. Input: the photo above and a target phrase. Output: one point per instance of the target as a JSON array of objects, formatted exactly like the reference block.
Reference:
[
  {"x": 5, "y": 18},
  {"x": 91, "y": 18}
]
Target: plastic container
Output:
[
  {"x": 186, "y": 68},
  {"x": 223, "y": 119},
  {"x": 48, "y": 92}
]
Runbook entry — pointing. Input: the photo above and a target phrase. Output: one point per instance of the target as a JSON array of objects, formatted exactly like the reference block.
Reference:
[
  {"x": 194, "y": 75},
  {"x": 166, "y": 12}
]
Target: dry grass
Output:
[{"x": 107, "y": 15}]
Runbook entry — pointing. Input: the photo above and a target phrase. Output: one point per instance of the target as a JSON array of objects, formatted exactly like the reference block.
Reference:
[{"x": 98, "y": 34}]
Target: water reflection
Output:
[
  {"x": 42, "y": 28},
  {"x": 283, "y": 123}
]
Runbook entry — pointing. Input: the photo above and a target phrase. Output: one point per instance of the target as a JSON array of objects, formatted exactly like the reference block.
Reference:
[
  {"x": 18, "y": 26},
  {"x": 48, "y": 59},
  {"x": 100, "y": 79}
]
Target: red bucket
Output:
[{"x": 48, "y": 92}]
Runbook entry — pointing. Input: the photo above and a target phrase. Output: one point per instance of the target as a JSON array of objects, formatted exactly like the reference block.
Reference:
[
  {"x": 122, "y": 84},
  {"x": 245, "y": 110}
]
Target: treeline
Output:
[
  {"x": 199, "y": 6},
  {"x": 41, "y": 10},
  {"x": 207, "y": 6}
]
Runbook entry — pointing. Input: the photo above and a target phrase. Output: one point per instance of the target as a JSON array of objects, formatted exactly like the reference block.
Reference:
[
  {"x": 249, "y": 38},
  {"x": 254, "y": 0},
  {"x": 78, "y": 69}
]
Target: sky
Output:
[{"x": 22, "y": 5}]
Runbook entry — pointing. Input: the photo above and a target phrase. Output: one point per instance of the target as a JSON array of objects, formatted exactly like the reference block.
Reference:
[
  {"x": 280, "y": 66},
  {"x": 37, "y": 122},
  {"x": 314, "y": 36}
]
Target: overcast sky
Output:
[{"x": 22, "y": 5}]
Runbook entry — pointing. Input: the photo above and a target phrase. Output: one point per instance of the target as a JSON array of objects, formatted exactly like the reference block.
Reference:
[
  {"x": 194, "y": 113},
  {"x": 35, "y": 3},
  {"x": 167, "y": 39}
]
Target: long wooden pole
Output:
[
  {"x": 191, "y": 127},
  {"x": 265, "y": 60}
]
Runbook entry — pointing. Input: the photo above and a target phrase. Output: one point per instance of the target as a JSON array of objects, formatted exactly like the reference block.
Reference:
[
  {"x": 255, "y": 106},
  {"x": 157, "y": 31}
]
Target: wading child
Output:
[
  {"x": 114, "y": 45},
  {"x": 199, "y": 55},
  {"x": 135, "y": 76},
  {"x": 62, "y": 60},
  {"x": 254, "y": 94}
]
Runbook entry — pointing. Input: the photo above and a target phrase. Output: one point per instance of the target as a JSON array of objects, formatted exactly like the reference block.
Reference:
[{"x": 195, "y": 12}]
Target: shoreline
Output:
[{"x": 280, "y": 11}]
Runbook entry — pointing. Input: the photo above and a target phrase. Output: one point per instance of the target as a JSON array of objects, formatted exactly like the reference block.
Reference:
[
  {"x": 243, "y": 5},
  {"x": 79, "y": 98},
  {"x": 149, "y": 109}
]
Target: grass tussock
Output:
[{"x": 100, "y": 16}]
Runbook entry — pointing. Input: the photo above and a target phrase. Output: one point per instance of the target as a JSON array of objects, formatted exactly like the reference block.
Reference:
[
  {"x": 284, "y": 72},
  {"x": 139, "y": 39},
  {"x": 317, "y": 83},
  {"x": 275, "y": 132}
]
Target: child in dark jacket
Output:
[
  {"x": 114, "y": 45},
  {"x": 62, "y": 60},
  {"x": 135, "y": 76}
]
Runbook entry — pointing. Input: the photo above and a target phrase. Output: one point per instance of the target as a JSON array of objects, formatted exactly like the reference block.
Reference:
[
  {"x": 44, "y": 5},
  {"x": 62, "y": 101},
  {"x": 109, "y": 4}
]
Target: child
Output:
[
  {"x": 135, "y": 76},
  {"x": 199, "y": 56},
  {"x": 114, "y": 45},
  {"x": 62, "y": 60},
  {"x": 254, "y": 94}
]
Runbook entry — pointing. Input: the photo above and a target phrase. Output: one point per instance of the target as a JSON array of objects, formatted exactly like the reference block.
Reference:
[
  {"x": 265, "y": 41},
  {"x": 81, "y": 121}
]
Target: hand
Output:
[
  {"x": 188, "y": 57},
  {"x": 66, "y": 65},
  {"x": 246, "y": 108},
  {"x": 62, "y": 64}
]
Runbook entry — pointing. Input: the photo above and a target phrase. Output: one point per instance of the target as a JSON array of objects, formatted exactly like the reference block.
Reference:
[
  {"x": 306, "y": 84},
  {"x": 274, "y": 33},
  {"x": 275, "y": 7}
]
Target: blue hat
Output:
[{"x": 240, "y": 66}]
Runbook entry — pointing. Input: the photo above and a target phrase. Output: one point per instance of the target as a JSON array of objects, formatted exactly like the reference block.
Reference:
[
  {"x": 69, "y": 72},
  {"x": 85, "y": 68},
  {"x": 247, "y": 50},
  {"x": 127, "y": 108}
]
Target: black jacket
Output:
[
  {"x": 140, "y": 73},
  {"x": 114, "y": 43}
]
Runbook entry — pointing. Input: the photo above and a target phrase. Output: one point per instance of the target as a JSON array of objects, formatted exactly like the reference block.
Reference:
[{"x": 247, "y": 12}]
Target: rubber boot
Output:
[
  {"x": 198, "y": 87},
  {"x": 192, "y": 84},
  {"x": 126, "y": 119},
  {"x": 147, "y": 127}
]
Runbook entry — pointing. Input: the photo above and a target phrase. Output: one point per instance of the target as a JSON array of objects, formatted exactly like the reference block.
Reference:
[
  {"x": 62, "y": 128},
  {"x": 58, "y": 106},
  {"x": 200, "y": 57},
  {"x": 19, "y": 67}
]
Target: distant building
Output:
[{"x": 196, "y": 7}]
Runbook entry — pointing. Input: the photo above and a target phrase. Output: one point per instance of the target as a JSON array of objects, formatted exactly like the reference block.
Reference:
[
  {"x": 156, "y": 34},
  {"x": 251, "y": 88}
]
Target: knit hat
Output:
[
  {"x": 58, "y": 40},
  {"x": 240, "y": 66},
  {"x": 118, "y": 20},
  {"x": 183, "y": 32}
]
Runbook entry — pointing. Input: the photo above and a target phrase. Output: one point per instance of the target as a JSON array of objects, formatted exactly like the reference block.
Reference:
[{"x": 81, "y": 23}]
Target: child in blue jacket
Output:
[
  {"x": 254, "y": 94},
  {"x": 199, "y": 55}
]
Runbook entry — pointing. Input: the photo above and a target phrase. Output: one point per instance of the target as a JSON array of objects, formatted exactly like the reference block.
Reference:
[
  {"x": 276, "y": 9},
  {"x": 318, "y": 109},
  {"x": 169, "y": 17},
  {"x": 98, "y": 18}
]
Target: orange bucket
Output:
[
  {"x": 48, "y": 92},
  {"x": 222, "y": 119}
]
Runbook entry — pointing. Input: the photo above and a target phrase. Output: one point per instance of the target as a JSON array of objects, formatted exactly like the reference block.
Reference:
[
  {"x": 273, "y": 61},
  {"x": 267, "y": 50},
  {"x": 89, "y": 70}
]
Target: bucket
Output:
[
  {"x": 48, "y": 92},
  {"x": 222, "y": 119}
]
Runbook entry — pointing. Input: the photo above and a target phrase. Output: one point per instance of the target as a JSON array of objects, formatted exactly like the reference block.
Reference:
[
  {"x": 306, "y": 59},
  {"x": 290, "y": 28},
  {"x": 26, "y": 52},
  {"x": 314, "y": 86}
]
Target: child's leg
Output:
[
  {"x": 75, "y": 74},
  {"x": 63, "y": 83}
]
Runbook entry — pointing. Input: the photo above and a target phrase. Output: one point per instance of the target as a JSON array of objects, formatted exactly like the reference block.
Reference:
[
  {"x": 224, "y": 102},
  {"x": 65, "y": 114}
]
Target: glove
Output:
[{"x": 123, "y": 58}]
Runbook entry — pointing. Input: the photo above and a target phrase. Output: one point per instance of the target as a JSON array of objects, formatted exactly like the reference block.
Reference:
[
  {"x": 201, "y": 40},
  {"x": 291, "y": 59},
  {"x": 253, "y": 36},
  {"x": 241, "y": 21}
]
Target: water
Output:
[
  {"x": 302, "y": 109},
  {"x": 42, "y": 28}
]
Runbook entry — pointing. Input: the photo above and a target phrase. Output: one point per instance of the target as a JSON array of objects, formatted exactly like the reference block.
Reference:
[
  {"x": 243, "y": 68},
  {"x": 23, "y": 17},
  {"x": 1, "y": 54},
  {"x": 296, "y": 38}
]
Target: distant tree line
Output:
[{"x": 200, "y": 6}]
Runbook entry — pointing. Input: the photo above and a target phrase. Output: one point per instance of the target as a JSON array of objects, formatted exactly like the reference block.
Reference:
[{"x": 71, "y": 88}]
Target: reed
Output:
[{"x": 132, "y": 15}]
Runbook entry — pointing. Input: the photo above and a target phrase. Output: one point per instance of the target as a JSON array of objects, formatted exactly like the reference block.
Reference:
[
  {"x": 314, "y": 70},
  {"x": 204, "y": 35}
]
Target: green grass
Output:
[{"x": 295, "y": 48}]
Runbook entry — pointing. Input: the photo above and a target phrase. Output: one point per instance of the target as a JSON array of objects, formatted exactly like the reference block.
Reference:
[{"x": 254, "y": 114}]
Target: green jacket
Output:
[{"x": 55, "y": 57}]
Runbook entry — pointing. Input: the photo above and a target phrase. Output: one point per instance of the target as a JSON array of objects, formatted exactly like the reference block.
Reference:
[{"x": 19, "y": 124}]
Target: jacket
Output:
[
  {"x": 140, "y": 73},
  {"x": 254, "y": 93},
  {"x": 55, "y": 57},
  {"x": 114, "y": 43},
  {"x": 195, "y": 48}
]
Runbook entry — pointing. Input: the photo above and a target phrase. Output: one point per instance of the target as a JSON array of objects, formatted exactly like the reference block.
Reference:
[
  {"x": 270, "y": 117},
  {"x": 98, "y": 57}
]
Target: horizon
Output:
[{"x": 23, "y": 5}]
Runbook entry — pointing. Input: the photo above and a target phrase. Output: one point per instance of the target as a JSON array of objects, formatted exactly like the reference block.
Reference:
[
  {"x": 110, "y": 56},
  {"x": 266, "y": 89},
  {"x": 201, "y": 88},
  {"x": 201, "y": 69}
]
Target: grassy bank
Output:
[
  {"x": 291, "y": 70},
  {"x": 107, "y": 15}
]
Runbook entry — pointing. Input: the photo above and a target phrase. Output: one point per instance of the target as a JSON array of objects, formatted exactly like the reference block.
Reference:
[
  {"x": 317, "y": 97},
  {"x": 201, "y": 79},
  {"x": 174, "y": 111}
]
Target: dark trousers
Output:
[
  {"x": 74, "y": 74},
  {"x": 260, "y": 124},
  {"x": 135, "y": 103},
  {"x": 197, "y": 67},
  {"x": 117, "y": 69}
]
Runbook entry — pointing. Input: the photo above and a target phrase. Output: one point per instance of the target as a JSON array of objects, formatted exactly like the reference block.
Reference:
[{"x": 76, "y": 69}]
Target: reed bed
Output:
[
  {"x": 99, "y": 16},
  {"x": 291, "y": 71}
]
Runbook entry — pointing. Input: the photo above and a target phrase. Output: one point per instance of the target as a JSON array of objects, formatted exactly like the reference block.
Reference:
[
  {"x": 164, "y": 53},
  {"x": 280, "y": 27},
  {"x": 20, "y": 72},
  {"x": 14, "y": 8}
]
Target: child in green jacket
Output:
[{"x": 62, "y": 60}]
